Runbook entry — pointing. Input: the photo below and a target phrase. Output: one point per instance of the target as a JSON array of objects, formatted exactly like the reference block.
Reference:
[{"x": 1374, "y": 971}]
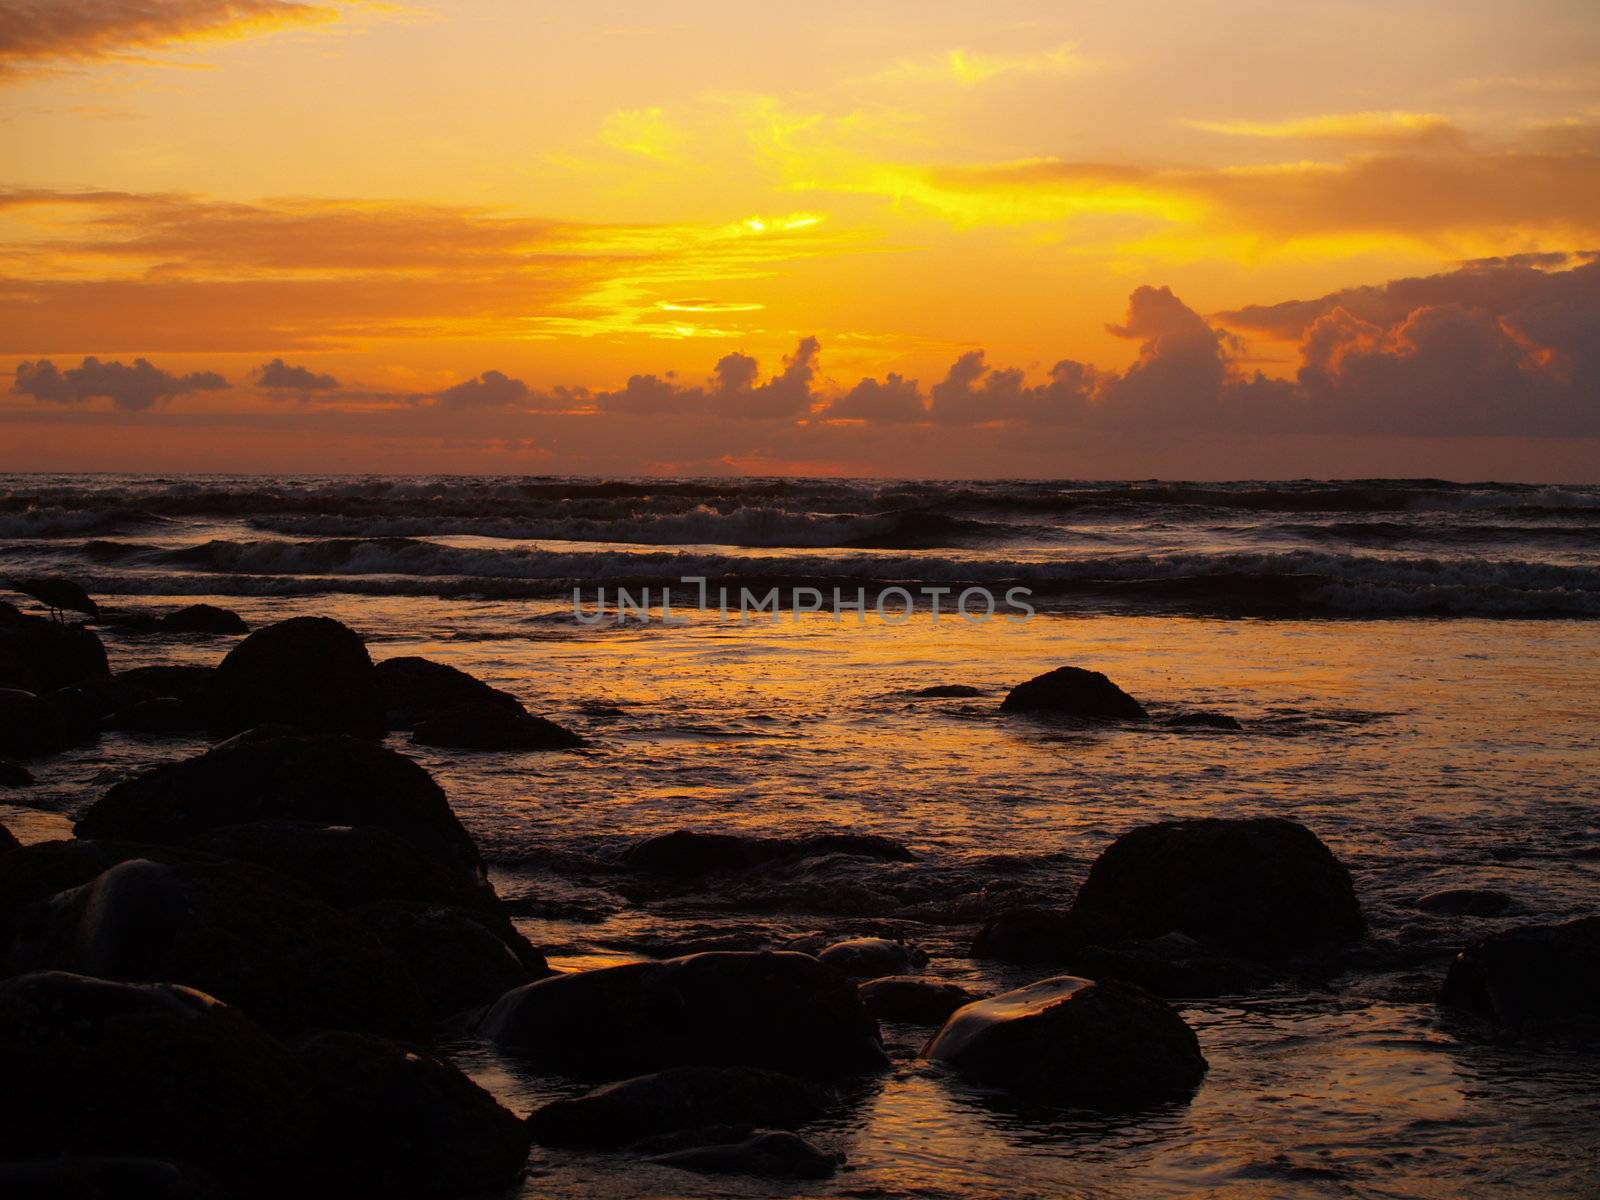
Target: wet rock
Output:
[
  {"x": 397, "y": 1121},
  {"x": 417, "y": 689},
  {"x": 117, "y": 1069},
  {"x": 283, "y": 958},
  {"x": 1074, "y": 692},
  {"x": 1534, "y": 979},
  {"x": 1074, "y": 1041},
  {"x": 309, "y": 672},
  {"x": 164, "y": 715},
  {"x": 782, "y": 1011},
  {"x": 36, "y": 872},
  {"x": 456, "y": 960},
  {"x": 873, "y": 958},
  {"x": 8, "y": 841},
  {"x": 35, "y": 726},
  {"x": 1030, "y": 935},
  {"x": 766, "y": 1154},
  {"x": 948, "y": 691},
  {"x": 128, "y": 688},
  {"x": 491, "y": 727},
  {"x": 105, "y": 1178},
  {"x": 682, "y": 1098},
  {"x": 913, "y": 1000},
  {"x": 689, "y": 853},
  {"x": 203, "y": 618},
  {"x": 14, "y": 775},
  {"x": 326, "y": 781},
  {"x": 1466, "y": 902},
  {"x": 1204, "y": 720},
  {"x": 39, "y": 655},
  {"x": 1173, "y": 966}
]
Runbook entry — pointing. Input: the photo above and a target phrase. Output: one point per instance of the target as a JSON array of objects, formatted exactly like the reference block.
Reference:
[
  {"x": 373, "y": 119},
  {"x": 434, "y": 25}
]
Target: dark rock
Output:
[
  {"x": 688, "y": 853},
  {"x": 101, "y": 1068},
  {"x": 1466, "y": 902},
  {"x": 277, "y": 955},
  {"x": 316, "y": 780},
  {"x": 418, "y": 689},
  {"x": 164, "y": 715},
  {"x": 492, "y": 727},
  {"x": 1204, "y": 720},
  {"x": 105, "y": 1178},
  {"x": 1534, "y": 979},
  {"x": 1074, "y": 692},
  {"x": 948, "y": 691},
  {"x": 14, "y": 775},
  {"x": 1030, "y": 935},
  {"x": 457, "y": 961},
  {"x": 203, "y": 618},
  {"x": 1173, "y": 966},
  {"x": 34, "y": 726},
  {"x": 128, "y": 688},
  {"x": 781, "y": 1011},
  {"x": 766, "y": 1155},
  {"x": 1074, "y": 1041},
  {"x": 39, "y": 655},
  {"x": 682, "y": 1098},
  {"x": 913, "y": 1000},
  {"x": 8, "y": 841},
  {"x": 309, "y": 672},
  {"x": 396, "y": 1121},
  {"x": 873, "y": 958}
]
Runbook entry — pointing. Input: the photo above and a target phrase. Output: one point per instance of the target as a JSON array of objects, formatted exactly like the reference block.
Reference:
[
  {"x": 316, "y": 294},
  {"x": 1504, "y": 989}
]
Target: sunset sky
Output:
[{"x": 1216, "y": 238}]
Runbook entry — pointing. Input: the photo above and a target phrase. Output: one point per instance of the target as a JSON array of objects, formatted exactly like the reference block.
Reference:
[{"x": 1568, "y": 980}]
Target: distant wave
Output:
[{"x": 70, "y": 522}]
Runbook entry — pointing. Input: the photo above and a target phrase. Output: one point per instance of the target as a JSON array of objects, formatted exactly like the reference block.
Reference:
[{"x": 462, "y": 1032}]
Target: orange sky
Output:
[{"x": 459, "y": 229}]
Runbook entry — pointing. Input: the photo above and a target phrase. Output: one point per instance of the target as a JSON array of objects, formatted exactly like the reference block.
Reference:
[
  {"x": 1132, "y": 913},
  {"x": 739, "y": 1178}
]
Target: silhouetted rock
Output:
[
  {"x": 913, "y": 999},
  {"x": 1204, "y": 720},
  {"x": 1074, "y": 692},
  {"x": 457, "y": 961},
  {"x": 1074, "y": 1041},
  {"x": 102, "y": 1177},
  {"x": 1173, "y": 966},
  {"x": 492, "y": 727},
  {"x": 102, "y": 1068},
  {"x": 689, "y": 853},
  {"x": 127, "y": 688},
  {"x": 681, "y": 1098},
  {"x": 1534, "y": 979},
  {"x": 35, "y": 726},
  {"x": 872, "y": 958},
  {"x": 203, "y": 618},
  {"x": 309, "y": 672},
  {"x": 164, "y": 715},
  {"x": 782, "y": 1011},
  {"x": 1465, "y": 902},
  {"x": 317, "y": 780},
  {"x": 397, "y": 1121},
  {"x": 285, "y": 959},
  {"x": 39, "y": 655},
  {"x": 766, "y": 1154},
  {"x": 14, "y": 775},
  {"x": 948, "y": 691},
  {"x": 34, "y": 873},
  {"x": 8, "y": 840},
  {"x": 1030, "y": 935},
  {"x": 418, "y": 689}
]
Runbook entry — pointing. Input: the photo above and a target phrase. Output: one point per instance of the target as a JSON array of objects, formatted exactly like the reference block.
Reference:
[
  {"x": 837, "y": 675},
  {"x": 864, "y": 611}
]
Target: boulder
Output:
[
  {"x": 492, "y": 727},
  {"x": 873, "y": 958},
  {"x": 148, "y": 1070},
  {"x": 417, "y": 689},
  {"x": 1204, "y": 720},
  {"x": 281, "y": 957},
  {"x": 34, "y": 726},
  {"x": 766, "y": 1154},
  {"x": 8, "y": 841},
  {"x": 782, "y": 1011},
  {"x": 203, "y": 618},
  {"x": 1075, "y": 692},
  {"x": 39, "y": 655},
  {"x": 686, "y": 853},
  {"x": 948, "y": 691},
  {"x": 1173, "y": 966},
  {"x": 913, "y": 999},
  {"x": 324, "y": 781},
  {"x": 1074, "y": 1041},
  {"x": 127, "y": 688},
  {"x": 309, "y": 672},
  {"x": 1465, "y": 902},
  {"x": 163, "y": 715},
  {"x": 1030, "y": 934},
  {"x": 456, "y": 960},
  {"x": 103, "y": 1177},
  {"x": 682, "y": 1098},
  {"x": 397, "y": 1121},
  {"x": 14, "y": 775},
  {"x": 1534, "y": 979}
]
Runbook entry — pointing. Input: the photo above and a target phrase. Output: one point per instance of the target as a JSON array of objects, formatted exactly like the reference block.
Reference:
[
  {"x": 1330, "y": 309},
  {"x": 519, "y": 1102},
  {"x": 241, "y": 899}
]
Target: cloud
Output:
[
  {"x": 733, "y": 391},
  {"x": 896, "y": 400},
  {"x": 278, "y": 374},
  {"x": 40, "y": 31},
  {"x": 970, "y": 68},
  {"x": 489, "y": 390},
  {"x": 132, "y": 388},
  {"x": 1364, "y": 128}
]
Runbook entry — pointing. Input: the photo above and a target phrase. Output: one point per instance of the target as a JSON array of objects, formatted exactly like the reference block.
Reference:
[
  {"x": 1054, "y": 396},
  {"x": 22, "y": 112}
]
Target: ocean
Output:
[{"x": 1415, "y": 666}]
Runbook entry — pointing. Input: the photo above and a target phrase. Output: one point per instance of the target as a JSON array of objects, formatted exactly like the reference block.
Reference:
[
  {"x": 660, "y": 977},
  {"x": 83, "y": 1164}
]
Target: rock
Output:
[
  {"x": 8, "y": 841},
  {"x": 203, "y": 618},
  {"x": 913, "y": 1000},
  {"x": 33, "y": 726},
  {"x": 105, "y": 1178},
  {"x": 1074, "y": 692},
  {"x": 1030, "y": 935},
  {"x": 456, "y": 960},
  {"x": 1172, "y": 966},
  {"x": 491, "y": 727},
  {"x": 396, "y": 1121},
  {"x": 417, "y": 689},
  {"x": 1204, "y": 720},
  {"x": 1074, "y": 1041},
  {"x": 766, "y": 1155},
  {"x": 948, "y": 691},
  {"x": 782, "y": 1011},
  {"x": 309, "y": 672},
  {"x": 688, "y": 853},
  {"x": 165, "y": 715},
  {"x": 1533, "y": 979},
  {"x": 325, "y": 781},
  {"x": 873, "y": 958},
  {"x": 620, "y": 1114},
  {"x": 128, "y": 688},
  {"x": 101, "y": 1068},
  {"x": 14, "y": 775},
  {"x": 284, "y": 959},
  {"x": 40, "y": 655},
  {"x": 1465, "y": 902}
]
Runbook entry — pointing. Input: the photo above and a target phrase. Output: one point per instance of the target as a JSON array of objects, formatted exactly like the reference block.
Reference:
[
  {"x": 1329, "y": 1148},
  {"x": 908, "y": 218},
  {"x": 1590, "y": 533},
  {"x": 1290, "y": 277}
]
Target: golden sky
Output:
[{"x": 1198, "y": 238}]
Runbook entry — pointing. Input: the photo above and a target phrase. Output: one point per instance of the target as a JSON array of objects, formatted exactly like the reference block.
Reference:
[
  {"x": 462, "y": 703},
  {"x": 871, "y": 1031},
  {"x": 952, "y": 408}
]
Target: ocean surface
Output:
[{"x": 1416, "y": 665}]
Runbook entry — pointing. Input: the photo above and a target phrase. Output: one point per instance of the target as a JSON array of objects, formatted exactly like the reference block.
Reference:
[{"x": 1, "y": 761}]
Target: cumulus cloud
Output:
[
  {"x": 734, "y": 390},
  {"x": 133, "y": 388},
  {"x": 492, "y": 389},
  {"x": 279, "y": 374},
  {"x": 896, "y": 400}
]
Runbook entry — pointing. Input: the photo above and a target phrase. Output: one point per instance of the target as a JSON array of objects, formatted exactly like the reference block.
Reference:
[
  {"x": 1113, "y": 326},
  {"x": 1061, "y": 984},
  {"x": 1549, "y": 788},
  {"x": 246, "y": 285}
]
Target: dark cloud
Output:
[
  {"x": 894, "y": 401},
  {"x": 279, "y": 374},
  {"x": 733, "y": 391},
  {"x": 489, "y": 390},
  {"x": 132, "y": 388}
]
